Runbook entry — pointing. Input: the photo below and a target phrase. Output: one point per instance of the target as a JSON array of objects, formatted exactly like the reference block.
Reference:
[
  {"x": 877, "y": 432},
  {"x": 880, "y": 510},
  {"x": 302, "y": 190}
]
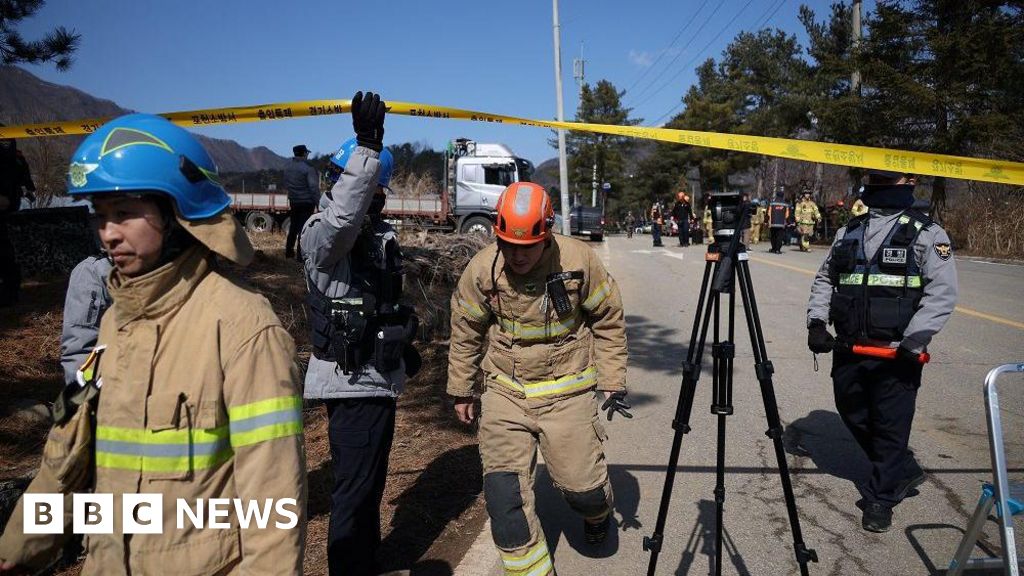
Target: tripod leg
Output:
[
  {"x": 764, "y": 369},
  {"x": 684, "y": 407}
]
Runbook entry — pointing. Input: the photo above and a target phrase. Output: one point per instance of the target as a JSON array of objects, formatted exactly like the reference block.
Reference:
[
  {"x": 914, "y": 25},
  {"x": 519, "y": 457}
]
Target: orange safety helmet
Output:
[{"x": 525, "y": 214}]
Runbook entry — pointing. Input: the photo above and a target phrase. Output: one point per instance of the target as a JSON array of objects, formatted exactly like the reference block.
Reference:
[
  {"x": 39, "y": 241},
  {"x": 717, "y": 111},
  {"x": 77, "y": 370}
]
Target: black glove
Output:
[
  {"x": 818, "y": 338},
  {"x": 368, "y": 120},
  {"x": 904, "y": 355},
  {"x": 617, "y": 403}
]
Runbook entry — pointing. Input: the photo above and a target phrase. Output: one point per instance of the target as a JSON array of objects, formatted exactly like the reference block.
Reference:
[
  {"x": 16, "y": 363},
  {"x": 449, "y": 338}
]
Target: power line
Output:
[
  {"x": 765, "y": 21},
  {"x": 681, "y": 52},
  {"x": 696, "y": 56},
  {"x": 671, "y": 44}
]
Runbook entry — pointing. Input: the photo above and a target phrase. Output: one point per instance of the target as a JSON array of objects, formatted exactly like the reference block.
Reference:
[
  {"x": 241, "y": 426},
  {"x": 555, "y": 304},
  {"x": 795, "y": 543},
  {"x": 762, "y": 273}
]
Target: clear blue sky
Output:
[{"x": 495, "y": 56}]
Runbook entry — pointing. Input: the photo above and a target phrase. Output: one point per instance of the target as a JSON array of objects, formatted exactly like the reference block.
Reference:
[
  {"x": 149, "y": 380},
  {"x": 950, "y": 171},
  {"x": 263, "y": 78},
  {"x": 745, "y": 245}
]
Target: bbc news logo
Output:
[{"x": 144, "y": 513}]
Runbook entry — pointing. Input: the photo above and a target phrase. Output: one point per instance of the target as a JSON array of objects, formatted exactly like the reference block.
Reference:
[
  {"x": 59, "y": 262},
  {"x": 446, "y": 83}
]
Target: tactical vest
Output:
[
  {"x": 366, "y": 325},
  {"x": 777, "y": 212},
  {"x": 876, "y": 299}
]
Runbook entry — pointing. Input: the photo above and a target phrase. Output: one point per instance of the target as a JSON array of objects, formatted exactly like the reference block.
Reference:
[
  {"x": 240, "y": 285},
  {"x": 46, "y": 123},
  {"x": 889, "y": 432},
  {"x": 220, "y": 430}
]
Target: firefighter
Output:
[
  {"x": 756, "y": 220},
  {"x": 682, "y": 213},
  {"x": 807, "y": 217},
  {"x": 889, "y": 280},
  {"x": 778, "y": 216},
  {"x": 709, "y": 232},
  {"x": 540, "y": 316},
  {"x": 192, "y": 390},
  {"x": 361, "y": 335}
]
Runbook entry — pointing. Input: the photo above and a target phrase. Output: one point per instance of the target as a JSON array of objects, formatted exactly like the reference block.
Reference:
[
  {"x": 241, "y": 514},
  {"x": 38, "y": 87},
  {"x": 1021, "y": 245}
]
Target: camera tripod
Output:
[{"x": 729, "y": 265}]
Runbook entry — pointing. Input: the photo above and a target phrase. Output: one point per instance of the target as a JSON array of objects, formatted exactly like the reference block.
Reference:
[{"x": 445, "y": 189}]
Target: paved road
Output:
[{"x": 659, "y": 287}]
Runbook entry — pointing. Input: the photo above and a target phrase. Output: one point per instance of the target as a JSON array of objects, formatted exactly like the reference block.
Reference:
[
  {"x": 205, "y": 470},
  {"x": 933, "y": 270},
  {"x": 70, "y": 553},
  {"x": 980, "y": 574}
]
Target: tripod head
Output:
[{"x": 733, "y": 249}]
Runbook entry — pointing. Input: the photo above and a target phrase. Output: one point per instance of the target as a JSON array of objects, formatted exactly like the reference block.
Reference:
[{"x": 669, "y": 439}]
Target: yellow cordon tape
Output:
[{"x": 1002, "y": 172}]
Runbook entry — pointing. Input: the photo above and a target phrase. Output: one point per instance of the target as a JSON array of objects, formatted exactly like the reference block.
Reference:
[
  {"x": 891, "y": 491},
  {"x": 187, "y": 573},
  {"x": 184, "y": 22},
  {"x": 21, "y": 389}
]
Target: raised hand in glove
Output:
[
  {"x": 616, "y": 402},
  {"x": 368, "y": 120},
  {"x": 818, "y": 338}
]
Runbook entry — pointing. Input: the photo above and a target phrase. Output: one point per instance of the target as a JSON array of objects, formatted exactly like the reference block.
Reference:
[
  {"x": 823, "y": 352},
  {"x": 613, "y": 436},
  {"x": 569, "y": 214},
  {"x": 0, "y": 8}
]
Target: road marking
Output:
[{"x": 961, "y": 309}]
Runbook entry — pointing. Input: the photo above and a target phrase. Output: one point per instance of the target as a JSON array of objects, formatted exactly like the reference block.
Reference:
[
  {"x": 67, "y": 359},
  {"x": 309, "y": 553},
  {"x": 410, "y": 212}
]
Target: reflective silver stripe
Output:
[
  {"x": 887, "y": 280},
  {"x": 247, "y": 424},
  {"x": 597, "y": 296},
  {"x": 163, "y": 450}
]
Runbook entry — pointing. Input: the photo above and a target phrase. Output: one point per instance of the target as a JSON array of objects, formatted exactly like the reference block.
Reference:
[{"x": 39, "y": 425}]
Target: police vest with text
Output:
[
  {"x": 367, "y": 325},
  {"x": 876, "y": 299}
]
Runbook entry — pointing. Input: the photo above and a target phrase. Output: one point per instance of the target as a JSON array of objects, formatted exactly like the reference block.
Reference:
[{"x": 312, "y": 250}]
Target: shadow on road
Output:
[
  {"x": 822, "y": 437},
  {"x": 557, "y": 518},
  {"x": 702, "y": 541}
]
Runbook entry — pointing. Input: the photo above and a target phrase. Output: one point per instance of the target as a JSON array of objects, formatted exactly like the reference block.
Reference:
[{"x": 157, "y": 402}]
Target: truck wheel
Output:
[
  {"x": 286, "y": 225},
  {"x": 597, "y": 237},
  {"x": 258, "y": 222},
  {"x": 478, "y": 225}
]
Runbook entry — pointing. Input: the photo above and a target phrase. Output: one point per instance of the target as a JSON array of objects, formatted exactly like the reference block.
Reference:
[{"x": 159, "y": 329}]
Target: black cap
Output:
[
  {"x": 879, "y": 176},
  {"x": 300, "y": 150}
]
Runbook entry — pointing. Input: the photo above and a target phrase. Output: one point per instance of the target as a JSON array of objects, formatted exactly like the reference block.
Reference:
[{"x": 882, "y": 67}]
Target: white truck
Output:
[
  {"x": 262, "y": 210},
  {"x": 475, "y": 174}
]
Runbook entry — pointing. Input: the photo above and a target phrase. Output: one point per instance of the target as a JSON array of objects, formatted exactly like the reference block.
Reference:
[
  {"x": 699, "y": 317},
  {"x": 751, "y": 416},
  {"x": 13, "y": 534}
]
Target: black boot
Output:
[
  {"x": 877, "y": 517},
  {"x": 596, "y": 532}
]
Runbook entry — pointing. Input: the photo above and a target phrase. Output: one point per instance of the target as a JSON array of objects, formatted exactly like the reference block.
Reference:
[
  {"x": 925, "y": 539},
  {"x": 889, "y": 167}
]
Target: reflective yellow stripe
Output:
[
  {"x": 264, "y": 407},
  {"x": 887, "y": 280},
  {"x": 474, "y": 311},
  {"x": 597, "y": 296},
  {"x": 554, "y": 387},
  {"x": 534, "y": 332},
  {"x": 536, "y": 561},
  {"x": 894, "y": 281}
]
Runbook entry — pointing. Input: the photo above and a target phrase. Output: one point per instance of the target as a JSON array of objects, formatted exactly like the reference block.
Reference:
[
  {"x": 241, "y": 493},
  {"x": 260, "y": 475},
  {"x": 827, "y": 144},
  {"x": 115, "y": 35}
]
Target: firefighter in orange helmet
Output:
[{"x": 542, "y": 320}]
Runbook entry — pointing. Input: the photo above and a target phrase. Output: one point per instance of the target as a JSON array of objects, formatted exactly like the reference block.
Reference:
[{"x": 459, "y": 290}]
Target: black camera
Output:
[{"x": 726, "y": 209}]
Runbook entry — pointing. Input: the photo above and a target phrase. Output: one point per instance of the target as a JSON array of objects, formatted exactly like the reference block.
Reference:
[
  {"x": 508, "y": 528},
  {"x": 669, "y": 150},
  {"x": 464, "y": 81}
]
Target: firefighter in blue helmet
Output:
[
  {"x": 889, "y": 281},
  {"x": 361, "y": 335}
]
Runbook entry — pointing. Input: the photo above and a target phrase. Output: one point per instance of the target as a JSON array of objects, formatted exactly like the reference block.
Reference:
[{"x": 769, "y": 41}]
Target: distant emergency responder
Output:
[
  {"x": 858, "y": 208},
  {"x": 842, "y": 215},
  {"x": 303, "y": 185},
  {"x": 757, "y": 217},
  {"x": 807, "y": 217},
  {"x": 709, "y": 232},
  {"x": 361, "y": 336},
  {"x": 888, "y": 281},
  {"x": 85, "y": 303},
  {"x": 192, "y": 390},
  {"x": 630, "y": 222},
  {"x": 539, "y": 314},
  {"x": 14, "y": 176},
  {"x": 657, "y": 221},
  {"x": 778, "y": 216},
  {"x": 682, "y": 213}
]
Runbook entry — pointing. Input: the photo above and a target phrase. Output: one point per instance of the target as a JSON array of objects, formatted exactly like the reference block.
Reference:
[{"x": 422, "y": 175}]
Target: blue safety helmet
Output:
[
  {"x": 340, "y": 158},
  {"x": 142, "y": 152}
]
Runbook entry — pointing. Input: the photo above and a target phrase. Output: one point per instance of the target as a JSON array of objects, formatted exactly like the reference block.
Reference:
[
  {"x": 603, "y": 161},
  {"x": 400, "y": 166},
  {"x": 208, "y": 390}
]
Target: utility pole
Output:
[
  {"x": 562, "y": 168},
  {"x": 855, "y": 76},
  {"x": 579, "y": 75}
]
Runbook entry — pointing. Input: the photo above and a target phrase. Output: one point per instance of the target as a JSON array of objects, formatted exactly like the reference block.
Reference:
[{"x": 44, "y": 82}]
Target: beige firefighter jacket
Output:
[
  {"x": 807, "y": 213},
  {"x": 508, "y": 327},
  {"x": 199, "y": 398}
]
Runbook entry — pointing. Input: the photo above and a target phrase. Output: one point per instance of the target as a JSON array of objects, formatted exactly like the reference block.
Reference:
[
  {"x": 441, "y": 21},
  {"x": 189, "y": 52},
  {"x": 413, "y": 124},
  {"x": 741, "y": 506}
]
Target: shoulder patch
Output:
[{"x": 943, "y": 250}]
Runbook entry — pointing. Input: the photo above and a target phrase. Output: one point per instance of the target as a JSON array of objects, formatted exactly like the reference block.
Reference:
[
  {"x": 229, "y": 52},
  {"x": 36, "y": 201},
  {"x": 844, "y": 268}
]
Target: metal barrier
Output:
[{"x": 1005, "y": 497}]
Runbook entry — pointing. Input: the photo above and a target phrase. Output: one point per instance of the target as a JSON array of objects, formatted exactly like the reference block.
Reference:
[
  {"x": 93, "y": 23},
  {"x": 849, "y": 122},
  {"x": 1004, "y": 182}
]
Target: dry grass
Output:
[
  {"x": 431, "y": 503},
  {"x": 988, "y": 221}
]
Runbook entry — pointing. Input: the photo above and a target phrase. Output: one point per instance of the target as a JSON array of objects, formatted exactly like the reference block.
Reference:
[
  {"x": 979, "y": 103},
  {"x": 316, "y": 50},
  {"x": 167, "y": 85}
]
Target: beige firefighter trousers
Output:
[{"x": 570, "y": 436}]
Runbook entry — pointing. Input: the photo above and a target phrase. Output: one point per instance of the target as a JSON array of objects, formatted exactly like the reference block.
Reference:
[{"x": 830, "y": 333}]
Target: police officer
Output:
[
  {"x": 539, "y": 315},
  {"x": 360, "y": 334},
  {"x": 85, "y": 303},
  {"x": 303, "y": 185},
  {"x": 889, "y": 281},
  {"x": 657, "y": 219},
  {"x": 778, "y": 216}
]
